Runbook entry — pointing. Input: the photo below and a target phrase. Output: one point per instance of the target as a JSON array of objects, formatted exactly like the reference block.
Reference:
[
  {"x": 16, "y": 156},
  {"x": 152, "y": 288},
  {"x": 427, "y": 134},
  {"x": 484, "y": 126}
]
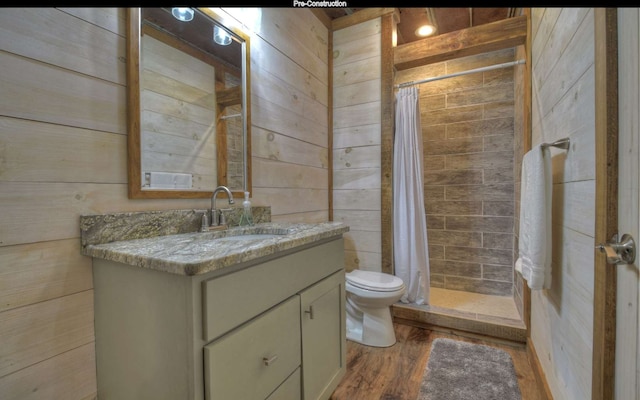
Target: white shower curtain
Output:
[{"x": 411, "y": 254}]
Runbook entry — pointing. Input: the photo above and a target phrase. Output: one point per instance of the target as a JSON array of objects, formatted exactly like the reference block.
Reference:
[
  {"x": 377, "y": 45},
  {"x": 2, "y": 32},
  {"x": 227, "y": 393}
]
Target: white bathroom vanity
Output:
[{"x": 206, "y": 315}]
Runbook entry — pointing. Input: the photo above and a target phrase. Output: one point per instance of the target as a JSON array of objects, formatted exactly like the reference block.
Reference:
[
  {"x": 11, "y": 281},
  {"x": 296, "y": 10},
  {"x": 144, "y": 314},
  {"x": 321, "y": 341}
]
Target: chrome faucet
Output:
[{"x": 215, "y": 220}]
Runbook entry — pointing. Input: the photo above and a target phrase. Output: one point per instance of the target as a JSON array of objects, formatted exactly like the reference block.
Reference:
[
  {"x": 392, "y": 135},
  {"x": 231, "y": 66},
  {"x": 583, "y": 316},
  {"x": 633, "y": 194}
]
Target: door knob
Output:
[{"x": 619, "y": 252}]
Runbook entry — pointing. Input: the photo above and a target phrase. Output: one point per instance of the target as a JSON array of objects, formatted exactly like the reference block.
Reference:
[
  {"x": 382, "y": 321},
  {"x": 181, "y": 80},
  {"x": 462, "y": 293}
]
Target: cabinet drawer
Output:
[
  {"x": 290, "y": 389},
  {"x": 253, "y": 360},
  {"x": 253, "y": 290}
]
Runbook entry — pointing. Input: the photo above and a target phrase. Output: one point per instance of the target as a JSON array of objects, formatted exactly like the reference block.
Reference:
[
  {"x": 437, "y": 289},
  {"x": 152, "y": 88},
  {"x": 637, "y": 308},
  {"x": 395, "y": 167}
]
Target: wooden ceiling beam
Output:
[
  {"x": 362, "y": 15},
  {"x": 229, "y": 96},
  {"x": 322, "y": 16},
  {"x": 466, "y": 42}
]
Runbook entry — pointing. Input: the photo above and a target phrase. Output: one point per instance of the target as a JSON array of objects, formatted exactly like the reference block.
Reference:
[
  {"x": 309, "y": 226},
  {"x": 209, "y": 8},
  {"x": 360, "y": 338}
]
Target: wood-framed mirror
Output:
[{"x": 188, "y": 104}]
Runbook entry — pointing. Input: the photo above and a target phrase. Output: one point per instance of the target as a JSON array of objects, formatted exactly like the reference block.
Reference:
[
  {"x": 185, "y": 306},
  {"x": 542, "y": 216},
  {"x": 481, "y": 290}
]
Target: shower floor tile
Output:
[
  {"x": 487, "y": 315},
  {"x": 475, "y": 303}
]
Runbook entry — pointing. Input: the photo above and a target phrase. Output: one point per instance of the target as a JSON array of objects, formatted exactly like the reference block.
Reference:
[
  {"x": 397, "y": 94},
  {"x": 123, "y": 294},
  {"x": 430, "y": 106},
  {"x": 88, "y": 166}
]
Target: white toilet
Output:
[{"x": 369, "y": 297}]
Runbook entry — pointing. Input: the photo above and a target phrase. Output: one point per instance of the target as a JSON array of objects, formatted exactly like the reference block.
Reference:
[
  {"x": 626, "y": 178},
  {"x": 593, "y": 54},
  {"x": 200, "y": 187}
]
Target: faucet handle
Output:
[
  {"x": 205, "y": 223},
  {"x": 223, "y": 219}
]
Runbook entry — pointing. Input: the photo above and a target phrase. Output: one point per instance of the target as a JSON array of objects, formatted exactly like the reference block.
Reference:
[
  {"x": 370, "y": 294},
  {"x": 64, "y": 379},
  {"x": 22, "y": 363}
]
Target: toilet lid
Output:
[{"x": 376, "y": 281}]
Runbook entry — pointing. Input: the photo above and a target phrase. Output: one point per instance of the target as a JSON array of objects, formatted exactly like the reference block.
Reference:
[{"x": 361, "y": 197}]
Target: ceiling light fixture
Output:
[
  {"x": 425, "y": 30},
  {"x": 184, "y": 14},
  {"x": 429, "y": 27},
  {"x": 221, "y": 36}
]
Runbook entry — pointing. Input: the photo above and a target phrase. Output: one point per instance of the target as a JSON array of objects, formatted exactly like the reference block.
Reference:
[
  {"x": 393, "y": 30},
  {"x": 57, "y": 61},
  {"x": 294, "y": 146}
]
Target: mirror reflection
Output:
[{"x": 193, "y": 132}]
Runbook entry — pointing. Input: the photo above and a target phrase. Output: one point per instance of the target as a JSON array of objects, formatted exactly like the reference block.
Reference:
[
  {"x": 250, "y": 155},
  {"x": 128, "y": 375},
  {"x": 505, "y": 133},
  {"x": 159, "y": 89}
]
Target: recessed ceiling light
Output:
[
  {"x": 429, "y": 25},
  {"x": 425, "y": 30},
  {"x": 221, "y": 36}
]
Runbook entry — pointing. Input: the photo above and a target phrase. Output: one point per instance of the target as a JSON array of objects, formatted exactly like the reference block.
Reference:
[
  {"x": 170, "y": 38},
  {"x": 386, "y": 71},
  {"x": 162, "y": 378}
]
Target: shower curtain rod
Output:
[
  {"x": 471, "y": 71},
  {"x": 231, "y": 116}
]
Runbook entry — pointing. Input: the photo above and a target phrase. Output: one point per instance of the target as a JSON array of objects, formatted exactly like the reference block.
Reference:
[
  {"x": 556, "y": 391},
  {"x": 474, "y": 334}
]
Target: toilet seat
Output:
[{"x": 374, "y": 281}]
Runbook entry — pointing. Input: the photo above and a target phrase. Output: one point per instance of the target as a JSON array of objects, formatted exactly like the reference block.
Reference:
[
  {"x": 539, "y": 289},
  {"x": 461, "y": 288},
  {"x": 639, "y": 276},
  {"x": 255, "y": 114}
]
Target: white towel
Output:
[{"x": 534, "y": 262}]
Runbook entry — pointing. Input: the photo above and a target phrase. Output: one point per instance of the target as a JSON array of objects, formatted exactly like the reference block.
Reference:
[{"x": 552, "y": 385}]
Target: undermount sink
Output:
[
  {"x": 250, "y": 233},
  {"x": 250, "y": 236}
]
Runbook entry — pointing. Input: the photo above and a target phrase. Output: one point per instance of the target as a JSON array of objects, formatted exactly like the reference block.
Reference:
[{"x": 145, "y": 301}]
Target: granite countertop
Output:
[{"x": 198, "y": 253}]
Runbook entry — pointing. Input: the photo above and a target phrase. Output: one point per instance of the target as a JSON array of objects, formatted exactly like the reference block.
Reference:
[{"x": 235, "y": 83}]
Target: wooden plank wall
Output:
[
  {"x": 63, "y": 154},
  {"x": 357, "y": 138},
  {"x": 289, "y": 100},
  {"x": 563, "y": 106}
]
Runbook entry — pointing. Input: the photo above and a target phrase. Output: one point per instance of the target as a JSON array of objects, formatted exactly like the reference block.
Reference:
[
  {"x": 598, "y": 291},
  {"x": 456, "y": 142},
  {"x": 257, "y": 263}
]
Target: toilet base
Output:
[{"x": 371, "y": 327}]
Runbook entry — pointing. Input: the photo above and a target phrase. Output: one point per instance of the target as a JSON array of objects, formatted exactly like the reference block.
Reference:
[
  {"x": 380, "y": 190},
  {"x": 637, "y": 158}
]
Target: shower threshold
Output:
[{"x": 494, "y": 316}]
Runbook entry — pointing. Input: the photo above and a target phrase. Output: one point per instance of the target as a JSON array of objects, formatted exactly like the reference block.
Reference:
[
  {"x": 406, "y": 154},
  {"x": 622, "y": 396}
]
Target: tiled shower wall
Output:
[{"x": 468, "y": 136}]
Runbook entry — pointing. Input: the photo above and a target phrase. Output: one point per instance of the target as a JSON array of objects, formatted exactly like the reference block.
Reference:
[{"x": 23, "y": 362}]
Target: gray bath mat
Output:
[{"x": 459, "y": 371}]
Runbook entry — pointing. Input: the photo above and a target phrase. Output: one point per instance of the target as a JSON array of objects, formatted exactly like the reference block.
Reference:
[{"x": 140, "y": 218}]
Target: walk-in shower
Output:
[{"x": 471, "y": 130}]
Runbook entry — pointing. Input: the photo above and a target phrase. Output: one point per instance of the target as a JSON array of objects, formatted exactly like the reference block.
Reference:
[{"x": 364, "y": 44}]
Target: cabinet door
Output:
[{"x": 323, "y": 337}]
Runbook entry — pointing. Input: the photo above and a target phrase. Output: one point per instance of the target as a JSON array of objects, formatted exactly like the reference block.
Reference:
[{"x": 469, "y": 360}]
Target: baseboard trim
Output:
[{"x": 537, "y": 369}]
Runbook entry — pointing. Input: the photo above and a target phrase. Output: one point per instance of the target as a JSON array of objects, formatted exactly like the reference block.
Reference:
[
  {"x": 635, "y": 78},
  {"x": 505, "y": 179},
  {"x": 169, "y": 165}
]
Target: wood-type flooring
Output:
[{"x": 395, "y": 373}]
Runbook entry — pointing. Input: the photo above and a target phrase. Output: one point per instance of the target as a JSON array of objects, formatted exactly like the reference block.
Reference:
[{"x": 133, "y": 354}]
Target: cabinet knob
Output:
[
  {"x": 269, "y": 360},
  {"x": 310, "y": 312}
]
